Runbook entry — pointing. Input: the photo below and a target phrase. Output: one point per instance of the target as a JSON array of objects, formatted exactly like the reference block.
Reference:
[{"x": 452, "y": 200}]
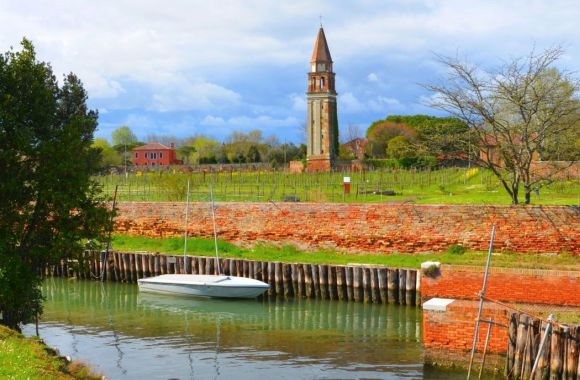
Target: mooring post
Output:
[
  {"x": 551, "y": 320},
  {"x": 481, "y": 297}
]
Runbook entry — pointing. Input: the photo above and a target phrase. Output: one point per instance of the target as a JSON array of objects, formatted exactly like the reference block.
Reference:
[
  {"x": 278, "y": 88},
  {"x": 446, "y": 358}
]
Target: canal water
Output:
[{"x": 127, "y": 335}]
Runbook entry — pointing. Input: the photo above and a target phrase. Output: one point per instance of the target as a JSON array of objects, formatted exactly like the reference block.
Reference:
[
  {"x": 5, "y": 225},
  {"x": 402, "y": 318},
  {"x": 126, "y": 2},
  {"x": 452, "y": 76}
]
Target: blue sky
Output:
[{"x": 198, "y": 67}]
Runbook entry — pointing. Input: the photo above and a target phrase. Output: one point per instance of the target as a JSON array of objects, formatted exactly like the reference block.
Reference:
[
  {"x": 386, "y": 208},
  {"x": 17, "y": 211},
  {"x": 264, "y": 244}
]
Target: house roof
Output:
[
  {"x": 152, "y": 146},
  {"x": 321, "y": 52}
]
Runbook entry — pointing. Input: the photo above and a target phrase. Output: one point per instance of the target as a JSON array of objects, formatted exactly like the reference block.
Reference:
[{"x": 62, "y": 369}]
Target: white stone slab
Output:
[{"x": 437, "y": 304}]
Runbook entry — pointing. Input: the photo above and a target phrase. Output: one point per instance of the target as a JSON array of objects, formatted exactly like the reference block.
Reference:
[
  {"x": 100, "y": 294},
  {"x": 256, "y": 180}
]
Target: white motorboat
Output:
[{"x": 199, "y": 285}]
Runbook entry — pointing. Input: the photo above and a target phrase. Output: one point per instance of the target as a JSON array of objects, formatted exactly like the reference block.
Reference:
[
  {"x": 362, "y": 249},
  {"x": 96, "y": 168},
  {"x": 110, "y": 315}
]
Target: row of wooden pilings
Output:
[
  {"x": 560, "y": 358},
  {"x": 356, "y": 283}
]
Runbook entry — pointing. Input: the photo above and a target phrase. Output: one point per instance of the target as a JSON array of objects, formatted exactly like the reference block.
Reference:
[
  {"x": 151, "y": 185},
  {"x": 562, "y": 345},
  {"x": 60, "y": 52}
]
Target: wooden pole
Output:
[
  {"x": 323, "y": 281},
  {"x": 402, "y": 286},
  {"x": 349, "y": 283},
  {"x": 341, "y": 283},
  {"x": 367, "y": 297},
  {"x": 393, "y": 285},
  {"x": 382, "y": 274}
]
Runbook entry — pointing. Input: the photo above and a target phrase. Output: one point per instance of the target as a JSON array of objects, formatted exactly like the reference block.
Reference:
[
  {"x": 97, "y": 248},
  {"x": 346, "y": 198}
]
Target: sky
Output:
[{"x": 188, "y": 67}]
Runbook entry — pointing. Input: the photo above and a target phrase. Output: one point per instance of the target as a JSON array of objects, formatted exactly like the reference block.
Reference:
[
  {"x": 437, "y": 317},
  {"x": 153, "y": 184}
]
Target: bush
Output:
[
  {"x": 456, "y": 249},
  {"x": 431, "y": 271}
]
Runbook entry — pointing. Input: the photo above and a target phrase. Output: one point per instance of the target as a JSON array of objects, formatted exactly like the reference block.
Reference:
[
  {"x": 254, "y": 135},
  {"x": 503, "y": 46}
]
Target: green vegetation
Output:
[
  {"x": 444, "y": 186},
  {"x": 205, "y": 247},
  {"x": 49, "y": 203},
  {"x": 29, "y": 358}
]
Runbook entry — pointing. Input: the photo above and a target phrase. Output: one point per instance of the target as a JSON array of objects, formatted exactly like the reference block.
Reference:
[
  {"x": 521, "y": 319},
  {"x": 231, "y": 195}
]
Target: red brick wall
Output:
[
  {"x": 508, "y": 285},
  {"x": 377, "y": 228},
  {"x": 318, "y": 166},
  {"x": 453, "y": 329}
]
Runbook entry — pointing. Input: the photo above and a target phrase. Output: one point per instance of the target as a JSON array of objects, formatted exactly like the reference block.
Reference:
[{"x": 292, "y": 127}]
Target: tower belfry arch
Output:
[{"x": 321, "y": 113}]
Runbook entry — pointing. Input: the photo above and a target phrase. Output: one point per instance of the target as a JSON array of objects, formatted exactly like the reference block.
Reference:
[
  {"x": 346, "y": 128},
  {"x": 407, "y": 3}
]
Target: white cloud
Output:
[
  {"x": 372, "y": 77},
  {"x": 181, "y": 94},
  {"x": 212, "y": 121},
  {"x": 298, "y": 102},
  {"x": 349, "y": 103}
]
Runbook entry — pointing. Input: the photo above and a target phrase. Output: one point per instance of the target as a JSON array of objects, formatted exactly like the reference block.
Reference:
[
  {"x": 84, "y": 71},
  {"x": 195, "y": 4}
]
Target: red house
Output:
[{"x": 154, "y": 154}]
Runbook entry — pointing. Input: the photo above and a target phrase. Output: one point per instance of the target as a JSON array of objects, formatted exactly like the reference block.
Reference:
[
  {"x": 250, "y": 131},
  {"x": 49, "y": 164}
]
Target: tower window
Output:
[{"x": 322, "y": 83}]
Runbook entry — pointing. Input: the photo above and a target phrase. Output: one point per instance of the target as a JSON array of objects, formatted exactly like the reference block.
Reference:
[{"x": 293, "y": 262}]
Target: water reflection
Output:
[{"x": 127, "y": 335}]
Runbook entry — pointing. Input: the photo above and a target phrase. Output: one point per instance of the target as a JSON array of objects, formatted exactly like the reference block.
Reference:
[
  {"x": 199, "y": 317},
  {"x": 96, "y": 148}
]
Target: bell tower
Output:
[{"x": 321, "y": 114}]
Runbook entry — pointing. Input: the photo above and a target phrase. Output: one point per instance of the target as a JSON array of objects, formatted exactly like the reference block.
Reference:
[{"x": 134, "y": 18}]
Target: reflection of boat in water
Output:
[
  {"x": 179, "y": 304},
  {"x": 219, "y": 286}
]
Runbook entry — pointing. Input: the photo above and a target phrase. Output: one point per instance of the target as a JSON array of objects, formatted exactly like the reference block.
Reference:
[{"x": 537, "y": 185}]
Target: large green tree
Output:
[{"x": 48, "y": 202}]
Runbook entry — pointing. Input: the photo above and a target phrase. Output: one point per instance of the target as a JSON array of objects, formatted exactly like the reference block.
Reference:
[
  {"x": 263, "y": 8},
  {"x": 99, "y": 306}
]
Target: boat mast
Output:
[
  {"x": 219, "y": 267},
  {"x": 185, "y": 228}
]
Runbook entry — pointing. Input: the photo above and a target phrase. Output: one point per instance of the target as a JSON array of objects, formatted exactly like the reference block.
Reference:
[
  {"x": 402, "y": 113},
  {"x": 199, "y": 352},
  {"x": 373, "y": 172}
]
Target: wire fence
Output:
[{"x": 261, "y": 186}]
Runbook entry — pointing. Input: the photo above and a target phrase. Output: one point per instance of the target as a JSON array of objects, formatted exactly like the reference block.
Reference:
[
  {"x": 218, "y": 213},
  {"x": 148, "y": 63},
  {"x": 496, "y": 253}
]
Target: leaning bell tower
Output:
[{"x": 321, "y": 114}]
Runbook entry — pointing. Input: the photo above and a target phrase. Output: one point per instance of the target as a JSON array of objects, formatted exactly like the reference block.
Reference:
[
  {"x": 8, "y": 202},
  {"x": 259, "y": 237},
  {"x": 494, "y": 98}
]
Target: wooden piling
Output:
[
  {"x": 201, "y": 265},
  {"x": 323, "y": 281},
  {"x": 272, "y": 278},
  {"x": 315, "y": 280},
  {"x": 410, "y": 286},
  {"x": 402, "y": 286},
  {"x": 341, "y": 283},
  {"x": 357, "y": 284},
  {"x": 375, "y": 292},
  {"x": 257, "y": 270},
  {"x": 556, "y": 354},
  {"x": 278, "y": 278},
  {"x": 300, "y": 283},
  {"x": 308, "y": 285},
  {"x": 332, "y": 288},
  {"x": 382, "y": 279},
  {"x": 522, "y": 335},
  {"x": 366, "y": 280},
  {"x": 349, "y": 283},
  {"x": 393, "y": 285},
  {"x": 287, "y": 278}
]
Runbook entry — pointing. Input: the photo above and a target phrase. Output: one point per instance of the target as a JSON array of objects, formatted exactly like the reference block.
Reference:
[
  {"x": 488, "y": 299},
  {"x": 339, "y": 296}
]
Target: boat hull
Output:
[{"x": 203, "y": 286}]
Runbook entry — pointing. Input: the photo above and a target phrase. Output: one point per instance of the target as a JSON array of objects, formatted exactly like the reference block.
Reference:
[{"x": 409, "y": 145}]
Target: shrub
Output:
[{"x": 456, "y": 249}]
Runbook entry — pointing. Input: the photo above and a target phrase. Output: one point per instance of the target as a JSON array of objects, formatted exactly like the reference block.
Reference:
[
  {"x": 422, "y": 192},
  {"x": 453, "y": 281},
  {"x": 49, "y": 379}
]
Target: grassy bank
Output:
[
  {"x": 205, "y": 247},
  {"x": 444, "y": 186},
  {"x": 29, "y": 358}
]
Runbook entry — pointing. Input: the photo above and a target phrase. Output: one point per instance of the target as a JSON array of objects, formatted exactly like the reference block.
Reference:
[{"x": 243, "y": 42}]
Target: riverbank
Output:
[
  {"x": 455, "y": 255},
  {"x": 30, "y": 358}
]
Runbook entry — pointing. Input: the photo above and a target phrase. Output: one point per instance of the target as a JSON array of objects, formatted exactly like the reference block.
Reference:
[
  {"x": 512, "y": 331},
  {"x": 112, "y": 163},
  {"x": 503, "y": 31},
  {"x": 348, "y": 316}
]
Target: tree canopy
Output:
[{"x": 49, "y": 204}]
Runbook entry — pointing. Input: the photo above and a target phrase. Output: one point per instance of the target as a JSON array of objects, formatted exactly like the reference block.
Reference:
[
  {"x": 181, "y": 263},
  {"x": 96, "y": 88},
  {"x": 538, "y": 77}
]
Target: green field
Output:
[
  {"x": 28, "y": 358},
  {"x": 445, "y": 186},
  {"x": 205, "y": 247}
]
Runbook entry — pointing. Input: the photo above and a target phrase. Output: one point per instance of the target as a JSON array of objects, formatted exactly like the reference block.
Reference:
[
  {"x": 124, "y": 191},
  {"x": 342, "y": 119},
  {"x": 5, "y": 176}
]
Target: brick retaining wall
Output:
[
  {"x": 532, "y": 286},
  {"x": 377, "y": 228}
]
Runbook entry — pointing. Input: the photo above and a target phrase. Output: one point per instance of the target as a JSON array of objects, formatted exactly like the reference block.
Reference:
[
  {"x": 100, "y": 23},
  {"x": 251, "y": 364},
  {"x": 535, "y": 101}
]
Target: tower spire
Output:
[{"x": 321, "y": 51}]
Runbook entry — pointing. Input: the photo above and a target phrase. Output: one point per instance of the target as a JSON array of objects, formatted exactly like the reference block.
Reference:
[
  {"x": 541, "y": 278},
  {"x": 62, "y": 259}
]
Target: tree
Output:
[
  {"x": 380, "y": 132},
  {"x": 109, "y": 156},
  {"x": 514, "y": 111},
  {"x": 437, "y": 136},
  {"x": 48, "y": 202},
  {"x": 399, "y": 147},
  {"x": 123, "y": 136}
]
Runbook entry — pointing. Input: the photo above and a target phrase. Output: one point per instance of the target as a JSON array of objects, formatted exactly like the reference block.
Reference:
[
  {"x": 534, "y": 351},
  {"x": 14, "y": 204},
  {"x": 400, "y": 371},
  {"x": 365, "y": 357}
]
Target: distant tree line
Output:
[{"x": 237, "y": 148}]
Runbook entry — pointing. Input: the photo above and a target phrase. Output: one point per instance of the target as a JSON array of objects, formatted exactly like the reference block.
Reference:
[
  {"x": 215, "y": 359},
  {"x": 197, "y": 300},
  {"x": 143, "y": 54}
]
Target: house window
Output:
[
  {"x": 145, "y": 154},
  {"x": 160, "y": 154},
  {"x": 136, "y": 154}
]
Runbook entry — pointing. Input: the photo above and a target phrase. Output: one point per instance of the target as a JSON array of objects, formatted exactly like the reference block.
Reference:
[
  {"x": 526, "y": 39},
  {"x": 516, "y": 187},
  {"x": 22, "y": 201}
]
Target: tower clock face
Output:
[{"x": 321, "y": 67}]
